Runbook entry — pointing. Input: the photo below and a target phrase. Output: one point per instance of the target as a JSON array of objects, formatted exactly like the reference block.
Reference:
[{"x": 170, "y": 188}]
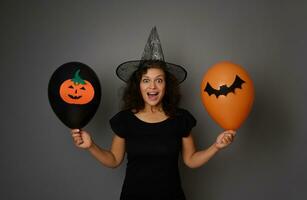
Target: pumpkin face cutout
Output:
[
  {"x": 77, "y": 90},
  {"x": 227, "y": 93},
  {"x": 74, "y": 94}
]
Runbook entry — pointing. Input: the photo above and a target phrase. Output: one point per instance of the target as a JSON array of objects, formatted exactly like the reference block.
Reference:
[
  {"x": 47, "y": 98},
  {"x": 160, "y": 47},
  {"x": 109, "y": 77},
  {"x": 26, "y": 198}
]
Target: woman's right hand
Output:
[{"x": 82, "y": 139}]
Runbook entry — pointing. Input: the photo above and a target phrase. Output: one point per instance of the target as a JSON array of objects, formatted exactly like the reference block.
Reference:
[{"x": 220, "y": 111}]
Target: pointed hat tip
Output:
[
  {"x": 153, "y": 49},
  {"x": 154, "y": 33},
  {"x": 154, "y": 29}
]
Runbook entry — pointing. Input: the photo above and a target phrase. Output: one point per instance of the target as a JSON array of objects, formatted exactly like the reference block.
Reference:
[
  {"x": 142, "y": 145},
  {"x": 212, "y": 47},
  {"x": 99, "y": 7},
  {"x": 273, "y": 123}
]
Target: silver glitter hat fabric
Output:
[
  {"x": 152, "y": 52},
  {"x": 153, "y": 49}
]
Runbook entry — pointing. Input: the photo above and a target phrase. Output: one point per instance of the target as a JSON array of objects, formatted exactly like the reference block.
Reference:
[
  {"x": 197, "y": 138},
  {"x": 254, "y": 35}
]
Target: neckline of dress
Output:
[{"x": 151, "y": 123}]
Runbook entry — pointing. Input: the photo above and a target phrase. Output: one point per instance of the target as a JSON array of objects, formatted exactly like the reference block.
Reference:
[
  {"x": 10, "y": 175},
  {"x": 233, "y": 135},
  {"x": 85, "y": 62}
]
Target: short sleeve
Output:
[
  {"x": 188, "y": 122},
  {"x": 117, "y": 123}
]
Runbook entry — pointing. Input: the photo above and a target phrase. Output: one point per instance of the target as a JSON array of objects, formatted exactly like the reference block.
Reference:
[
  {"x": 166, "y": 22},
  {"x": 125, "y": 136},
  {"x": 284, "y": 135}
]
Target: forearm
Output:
[
  {"x": 199, "y": 158},
  {"x": 106, "y": 157}
]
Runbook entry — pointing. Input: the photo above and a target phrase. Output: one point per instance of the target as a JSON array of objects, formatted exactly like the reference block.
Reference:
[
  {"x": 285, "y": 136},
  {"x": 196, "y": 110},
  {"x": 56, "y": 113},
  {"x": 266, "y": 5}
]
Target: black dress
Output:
[{"x": 152, "y": 153}]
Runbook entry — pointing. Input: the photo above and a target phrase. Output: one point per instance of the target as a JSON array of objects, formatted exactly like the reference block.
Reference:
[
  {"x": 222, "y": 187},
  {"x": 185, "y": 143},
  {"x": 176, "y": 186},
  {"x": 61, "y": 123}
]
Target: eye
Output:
[
  {"x": 71, "y": 87},
  {"x": 159, "y": 80},
  {"x": 145, "y": 80},
  {"x": 83, "y": 88}
]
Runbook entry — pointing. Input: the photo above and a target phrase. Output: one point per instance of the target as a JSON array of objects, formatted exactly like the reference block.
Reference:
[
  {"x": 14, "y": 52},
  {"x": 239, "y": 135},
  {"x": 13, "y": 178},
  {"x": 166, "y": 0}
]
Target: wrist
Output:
[
  {"x": 215, "y": 147},
  {"x": 92, "y": 146}
]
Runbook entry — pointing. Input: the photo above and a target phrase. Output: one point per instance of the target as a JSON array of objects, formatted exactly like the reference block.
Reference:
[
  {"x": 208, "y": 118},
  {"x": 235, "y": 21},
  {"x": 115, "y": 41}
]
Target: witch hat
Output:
[{"x": 152, "y": 52}]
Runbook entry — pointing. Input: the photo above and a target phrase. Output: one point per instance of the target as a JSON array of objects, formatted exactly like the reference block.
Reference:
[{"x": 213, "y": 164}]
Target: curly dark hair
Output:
[{"x": 132, "y": 97}]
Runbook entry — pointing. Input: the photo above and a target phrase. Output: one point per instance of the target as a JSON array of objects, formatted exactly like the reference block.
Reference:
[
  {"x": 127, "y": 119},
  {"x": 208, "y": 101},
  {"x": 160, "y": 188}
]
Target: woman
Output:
[{"x": 152, "y": 130}]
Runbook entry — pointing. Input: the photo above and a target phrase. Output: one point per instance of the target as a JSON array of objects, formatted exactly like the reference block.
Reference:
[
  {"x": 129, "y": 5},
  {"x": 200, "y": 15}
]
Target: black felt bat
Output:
[{"x": 224, "y": 90}]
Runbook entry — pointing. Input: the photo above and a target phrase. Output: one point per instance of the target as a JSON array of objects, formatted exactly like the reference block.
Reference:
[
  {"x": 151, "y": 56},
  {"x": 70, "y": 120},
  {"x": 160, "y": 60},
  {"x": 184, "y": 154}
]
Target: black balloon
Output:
[{"x": 74, "y": 94}]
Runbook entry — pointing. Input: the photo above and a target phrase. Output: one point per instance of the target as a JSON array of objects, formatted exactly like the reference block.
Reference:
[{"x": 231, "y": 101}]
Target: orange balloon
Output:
[{"x": 227, "y": 93}]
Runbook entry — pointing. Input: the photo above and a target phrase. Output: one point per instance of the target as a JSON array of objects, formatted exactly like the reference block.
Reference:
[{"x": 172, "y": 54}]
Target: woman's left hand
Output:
[{"x": 224, "y": 139}]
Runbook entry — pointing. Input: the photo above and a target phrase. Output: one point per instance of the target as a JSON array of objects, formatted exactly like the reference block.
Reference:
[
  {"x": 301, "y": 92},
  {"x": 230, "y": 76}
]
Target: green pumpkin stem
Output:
[{"x": 77, "y": 79}]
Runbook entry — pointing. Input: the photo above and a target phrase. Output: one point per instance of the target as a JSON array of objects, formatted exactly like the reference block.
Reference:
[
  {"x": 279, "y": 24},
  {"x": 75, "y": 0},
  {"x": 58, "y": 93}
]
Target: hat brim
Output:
[{"x": 126, "y": 69}]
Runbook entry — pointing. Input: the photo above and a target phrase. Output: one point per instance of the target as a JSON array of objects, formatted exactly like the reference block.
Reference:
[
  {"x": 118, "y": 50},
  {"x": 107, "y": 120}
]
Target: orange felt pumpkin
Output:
[
  {"x": 77, "y": 90},
  {"x": 227, "y": 93}
]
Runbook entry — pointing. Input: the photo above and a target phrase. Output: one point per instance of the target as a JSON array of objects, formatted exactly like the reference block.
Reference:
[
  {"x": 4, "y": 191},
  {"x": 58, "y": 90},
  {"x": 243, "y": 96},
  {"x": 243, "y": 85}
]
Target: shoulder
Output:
[
  {"x": 186, "y": 121},
  {"x": 121, "y": 118},
  {"x": 185, "y": 117},
  {"x": 183, "y": 112},
  {"x": 123, "y": 114},
  {"x": 119, "y": 122}
]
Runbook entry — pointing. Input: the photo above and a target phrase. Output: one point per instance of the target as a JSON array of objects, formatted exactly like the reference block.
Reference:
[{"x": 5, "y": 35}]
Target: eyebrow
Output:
[{"x": 144, "y": 76}]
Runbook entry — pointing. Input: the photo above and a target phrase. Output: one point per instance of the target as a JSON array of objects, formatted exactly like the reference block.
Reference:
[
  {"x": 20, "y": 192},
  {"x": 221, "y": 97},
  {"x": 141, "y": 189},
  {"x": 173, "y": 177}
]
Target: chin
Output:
[{"x": 153, "y": 103}]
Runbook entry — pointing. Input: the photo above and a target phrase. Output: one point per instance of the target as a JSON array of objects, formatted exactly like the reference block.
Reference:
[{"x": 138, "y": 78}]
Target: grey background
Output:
[{"x": 268, "y": 158}]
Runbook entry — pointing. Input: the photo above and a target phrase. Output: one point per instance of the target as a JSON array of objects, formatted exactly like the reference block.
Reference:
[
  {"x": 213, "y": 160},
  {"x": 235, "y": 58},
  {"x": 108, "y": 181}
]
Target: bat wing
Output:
[
  {"x": 210, "y": 90},
  {"x": 224, "y": 90},
  {"x": 236, "y": 84}
]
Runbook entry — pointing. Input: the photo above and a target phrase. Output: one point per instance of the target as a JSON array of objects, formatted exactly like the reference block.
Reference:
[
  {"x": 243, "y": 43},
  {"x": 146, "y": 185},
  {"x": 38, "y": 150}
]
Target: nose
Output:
[
  {"x": 152, "y": 85},
  {"x": 76, "y": 91}
]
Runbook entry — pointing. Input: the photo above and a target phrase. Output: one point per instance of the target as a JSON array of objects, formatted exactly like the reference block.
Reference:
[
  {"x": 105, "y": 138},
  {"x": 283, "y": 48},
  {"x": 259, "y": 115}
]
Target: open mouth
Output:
[
  {"x": 152, "y": 95},
  {"x": 74, "y": 97}
]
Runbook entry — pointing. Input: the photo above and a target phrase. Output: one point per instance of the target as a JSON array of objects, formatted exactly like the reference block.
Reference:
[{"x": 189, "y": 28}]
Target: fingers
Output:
[
  {"x": 232, "y": 132},
  {"x": 78, "y": 140},
  {"x": 225, "y": 138},
  {"x": 75, "y": 131},
  {"x": 76, "y": 134},
  {"x": 228, "y": 136}
]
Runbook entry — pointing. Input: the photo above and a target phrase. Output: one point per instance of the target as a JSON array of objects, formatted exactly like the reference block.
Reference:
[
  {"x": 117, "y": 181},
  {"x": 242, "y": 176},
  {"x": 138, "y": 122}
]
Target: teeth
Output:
[{"x": 152, "y": 93}]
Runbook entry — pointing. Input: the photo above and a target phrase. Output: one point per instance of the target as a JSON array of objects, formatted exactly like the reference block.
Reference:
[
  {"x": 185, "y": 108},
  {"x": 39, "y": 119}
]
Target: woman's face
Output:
[{"x": 152, "y": 86}]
